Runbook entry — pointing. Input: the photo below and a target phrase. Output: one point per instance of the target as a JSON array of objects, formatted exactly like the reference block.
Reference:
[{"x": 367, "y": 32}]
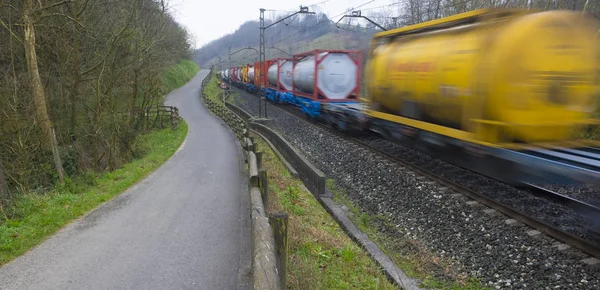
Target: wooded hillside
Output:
[
  {"x": 76, "y": 77},
  {"x": 301, "y": 33}
]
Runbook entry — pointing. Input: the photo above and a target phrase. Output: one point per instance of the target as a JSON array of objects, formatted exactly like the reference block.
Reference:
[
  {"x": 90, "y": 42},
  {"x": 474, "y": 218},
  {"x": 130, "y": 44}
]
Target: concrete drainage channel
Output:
[{"x": 270, "y": 230}]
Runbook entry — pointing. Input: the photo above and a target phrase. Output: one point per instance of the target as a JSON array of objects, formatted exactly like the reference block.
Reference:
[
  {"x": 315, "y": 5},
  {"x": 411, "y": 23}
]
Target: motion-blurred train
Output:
[{"x": 506, "y": 93}]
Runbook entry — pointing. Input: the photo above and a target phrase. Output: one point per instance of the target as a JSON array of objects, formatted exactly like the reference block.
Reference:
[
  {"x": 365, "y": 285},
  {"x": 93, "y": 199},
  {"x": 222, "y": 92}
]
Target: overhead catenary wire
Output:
[
  {"x": 446, "y": 6},
  {"x": 319, "y": 3},
  {"x": 329, "y": 18},
  {"x": 303, "y": 29},
  {"x": 314, "y": 33},
  {"x": 325, "y": 25}
]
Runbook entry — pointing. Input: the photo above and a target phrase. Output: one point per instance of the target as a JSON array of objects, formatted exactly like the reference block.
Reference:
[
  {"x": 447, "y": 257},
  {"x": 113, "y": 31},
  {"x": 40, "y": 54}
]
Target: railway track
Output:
[
  {"x": 564, "y": 236},
  {"x": 585, "y": 245},
  {"x": 575, "y": 204}
]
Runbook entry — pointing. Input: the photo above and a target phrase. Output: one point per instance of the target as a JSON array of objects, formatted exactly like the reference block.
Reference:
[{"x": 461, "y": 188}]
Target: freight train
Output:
[{"x": 504, "y": 93}]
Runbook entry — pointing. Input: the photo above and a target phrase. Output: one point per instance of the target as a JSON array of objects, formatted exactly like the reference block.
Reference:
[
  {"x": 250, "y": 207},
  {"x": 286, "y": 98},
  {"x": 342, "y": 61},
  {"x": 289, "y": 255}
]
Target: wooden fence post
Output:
[
  {"x": 174, "y": 117},
  {"x": 252, "y": 140},
  {"x": 263, "y": 181},
  {"x": 253, "y": 170},
  {"x": 279, "y": 222},
  {"x": 259, "y": 156}
]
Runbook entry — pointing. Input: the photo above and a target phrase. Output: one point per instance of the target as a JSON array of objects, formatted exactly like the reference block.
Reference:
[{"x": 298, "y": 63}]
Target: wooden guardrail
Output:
[
  {"x": 313, "y": 178},
  {"x": 269, "y": 230},
  {"x": 217, "y": 107},
  {"x": 159, "y": 116}
]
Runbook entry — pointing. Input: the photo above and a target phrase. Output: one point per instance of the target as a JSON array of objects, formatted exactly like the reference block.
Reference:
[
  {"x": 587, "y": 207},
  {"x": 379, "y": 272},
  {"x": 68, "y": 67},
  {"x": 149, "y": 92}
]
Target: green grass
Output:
[
  {"x": 412, "y": 257},
  {"x": 320, "y": 254},
  {"x": 212, "y": 89},
  {"x": 178, "y": 75},
  {"x": 214, "y": 92},
  {"x": 39, "y": 216}
]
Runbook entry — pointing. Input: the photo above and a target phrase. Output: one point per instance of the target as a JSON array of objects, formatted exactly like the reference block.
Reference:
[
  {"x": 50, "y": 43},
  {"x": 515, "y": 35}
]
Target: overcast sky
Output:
[{"x": 208, "y": 20}]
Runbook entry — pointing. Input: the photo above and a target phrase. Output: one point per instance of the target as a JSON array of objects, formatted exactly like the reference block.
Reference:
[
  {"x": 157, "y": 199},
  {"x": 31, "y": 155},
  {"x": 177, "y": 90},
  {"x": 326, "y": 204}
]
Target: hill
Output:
[{"x": 295, "y": 35}]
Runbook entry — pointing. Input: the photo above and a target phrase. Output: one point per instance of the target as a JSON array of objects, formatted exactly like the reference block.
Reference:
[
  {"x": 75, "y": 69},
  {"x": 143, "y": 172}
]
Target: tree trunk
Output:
[
  {"x": 585, "y": 5},
  {"x": 39, "y": 96},
  {"x": 76, "y": 73},
  {"x": 3, "y": 185}
]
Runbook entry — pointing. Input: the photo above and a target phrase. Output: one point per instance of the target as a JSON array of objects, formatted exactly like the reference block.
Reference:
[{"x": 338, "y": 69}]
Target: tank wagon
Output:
[
  {"x": 497, "y": 83},
  {"x": 279, "y": 80},
  {"x": 250, "y": 75},
  {"x": 500, "y": 92},
  {"x": 325, "y": 76},
  {"x": 261, "y": 80},
  {"x": 307, "y": 80},
  {"x": 246, "y": 77}
]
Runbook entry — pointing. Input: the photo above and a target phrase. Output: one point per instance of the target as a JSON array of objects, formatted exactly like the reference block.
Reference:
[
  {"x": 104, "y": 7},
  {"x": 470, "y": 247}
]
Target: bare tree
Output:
[
  {"x": 75, "y": 75},
  {"x": 37, "y": 90}
]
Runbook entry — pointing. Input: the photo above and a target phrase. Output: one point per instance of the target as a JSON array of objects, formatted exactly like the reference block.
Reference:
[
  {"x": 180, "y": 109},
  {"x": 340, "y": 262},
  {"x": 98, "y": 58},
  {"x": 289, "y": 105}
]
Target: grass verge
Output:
[
  {"x": 411, "y": 256},
  {"x": 320, "y": 254},
  {"x": 39, "y": 216},
  {"x": 178, "y": 75},
  {"x": 213, "y": 91}
]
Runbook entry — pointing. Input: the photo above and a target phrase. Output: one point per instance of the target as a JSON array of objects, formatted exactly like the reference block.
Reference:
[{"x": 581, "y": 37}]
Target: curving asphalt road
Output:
[{"x": 183, "y": 227}]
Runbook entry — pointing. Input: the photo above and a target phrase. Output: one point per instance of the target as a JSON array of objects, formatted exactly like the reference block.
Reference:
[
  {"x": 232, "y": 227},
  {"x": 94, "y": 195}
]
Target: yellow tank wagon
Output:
[
  {"x": 245, "y": 70},
  {"x": 491, "y": 77}
]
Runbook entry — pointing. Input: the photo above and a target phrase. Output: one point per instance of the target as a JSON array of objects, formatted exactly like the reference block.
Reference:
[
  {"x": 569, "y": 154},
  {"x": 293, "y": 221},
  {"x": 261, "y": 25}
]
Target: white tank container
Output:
[
  {"x": 285, "y": 74},
  {"x": 251, "y": 74},
  {"x": 337, "y": 75},
  {"x": 272, "y": 74}
]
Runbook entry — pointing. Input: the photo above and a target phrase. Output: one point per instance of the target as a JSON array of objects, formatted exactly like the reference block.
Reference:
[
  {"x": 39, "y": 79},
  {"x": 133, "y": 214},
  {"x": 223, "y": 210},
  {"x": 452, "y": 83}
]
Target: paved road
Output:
[{"x": 180, "y": 228}]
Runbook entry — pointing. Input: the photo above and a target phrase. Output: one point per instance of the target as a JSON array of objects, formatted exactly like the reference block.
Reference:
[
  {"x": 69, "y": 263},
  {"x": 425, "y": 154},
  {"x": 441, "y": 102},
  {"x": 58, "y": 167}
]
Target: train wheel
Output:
[{"x": 342, "y": 125}]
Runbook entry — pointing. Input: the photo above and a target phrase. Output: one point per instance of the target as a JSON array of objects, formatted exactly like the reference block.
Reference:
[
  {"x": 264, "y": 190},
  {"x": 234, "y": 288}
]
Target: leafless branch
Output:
[{"x": 53, "y": 5}]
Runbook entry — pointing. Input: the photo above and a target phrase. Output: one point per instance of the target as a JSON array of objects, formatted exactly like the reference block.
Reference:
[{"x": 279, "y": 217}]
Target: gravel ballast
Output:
[
  {"x": 499, "y": 253},
  {"x": 556, "y": 214}
]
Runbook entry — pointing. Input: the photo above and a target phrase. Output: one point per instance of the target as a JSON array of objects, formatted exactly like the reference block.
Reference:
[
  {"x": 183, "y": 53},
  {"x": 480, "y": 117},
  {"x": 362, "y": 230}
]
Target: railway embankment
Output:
[
  {"x": 430, "y": 231},
  {"x": 319, "y": 254}
]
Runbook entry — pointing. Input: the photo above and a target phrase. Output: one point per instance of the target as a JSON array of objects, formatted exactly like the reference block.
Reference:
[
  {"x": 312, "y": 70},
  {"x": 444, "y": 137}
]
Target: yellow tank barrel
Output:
[{"x": 502, "y": 75}]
